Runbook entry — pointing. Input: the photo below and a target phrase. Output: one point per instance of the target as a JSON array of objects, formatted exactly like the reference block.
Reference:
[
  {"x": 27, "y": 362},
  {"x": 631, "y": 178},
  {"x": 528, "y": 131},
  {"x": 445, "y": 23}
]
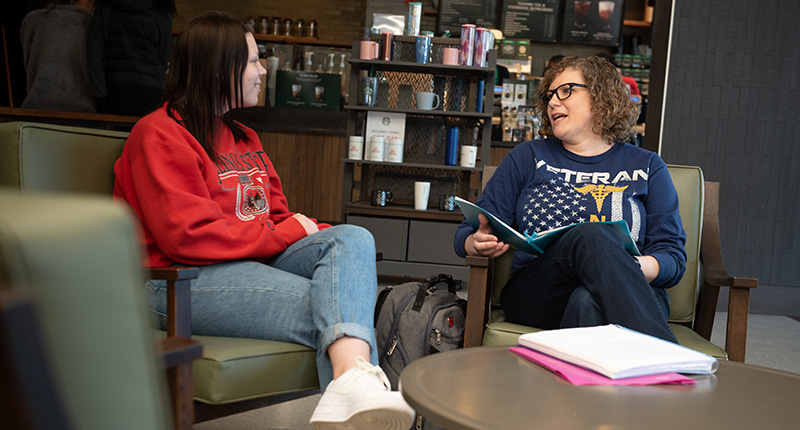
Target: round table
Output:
[{"x": 492, "y": 388}]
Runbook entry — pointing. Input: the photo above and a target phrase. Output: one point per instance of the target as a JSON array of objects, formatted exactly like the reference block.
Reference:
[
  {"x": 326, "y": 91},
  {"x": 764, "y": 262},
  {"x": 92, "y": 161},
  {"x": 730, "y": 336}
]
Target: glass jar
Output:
[
  {"x": 287, "y": 27},
  {"x": 263, "y": 25},
  {"x": 312, "y": 28},
  {"x": 276, "y": 26}
]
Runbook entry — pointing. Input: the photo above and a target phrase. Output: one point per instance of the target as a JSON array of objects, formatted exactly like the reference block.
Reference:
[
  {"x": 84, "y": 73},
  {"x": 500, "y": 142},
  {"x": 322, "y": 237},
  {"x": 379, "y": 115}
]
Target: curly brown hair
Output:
[{"x": 614, "y": 112}]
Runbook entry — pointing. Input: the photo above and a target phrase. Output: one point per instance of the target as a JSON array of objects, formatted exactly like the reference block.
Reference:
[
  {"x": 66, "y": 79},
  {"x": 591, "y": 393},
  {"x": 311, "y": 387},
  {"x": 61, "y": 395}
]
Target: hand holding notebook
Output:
[{"x": 538, "y": 243}]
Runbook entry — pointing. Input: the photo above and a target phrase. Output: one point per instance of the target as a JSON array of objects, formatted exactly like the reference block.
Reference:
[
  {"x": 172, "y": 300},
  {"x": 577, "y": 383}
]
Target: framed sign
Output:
[
  {"x": 592, "y": 22},
  {"x": 307, "y": 90},
  {"x": 533, "y": 20},
  {"x": 455, "y": 13}
]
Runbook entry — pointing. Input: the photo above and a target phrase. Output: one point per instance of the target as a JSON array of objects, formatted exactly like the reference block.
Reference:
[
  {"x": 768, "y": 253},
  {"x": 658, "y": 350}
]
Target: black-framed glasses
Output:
[{"x": 562, "y": 91}]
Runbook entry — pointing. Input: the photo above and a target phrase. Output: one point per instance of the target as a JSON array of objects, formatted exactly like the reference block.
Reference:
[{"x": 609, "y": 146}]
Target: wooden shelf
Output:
[
  {"x": 291, "y": 40},
  {"x": 421, "y": 67},
  {"x": 450, "y": 113},
  {"x": 401, "y": 211},
  {"x": 417, "y": 165}
]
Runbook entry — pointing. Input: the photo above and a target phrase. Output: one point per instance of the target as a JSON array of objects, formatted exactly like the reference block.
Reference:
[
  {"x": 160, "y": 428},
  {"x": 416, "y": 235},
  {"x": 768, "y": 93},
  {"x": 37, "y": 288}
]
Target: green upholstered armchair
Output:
[
  {"x": 693, "y": 301},
  {"x": 78, "y": 260},
  {"x": 233, "y": 374}
]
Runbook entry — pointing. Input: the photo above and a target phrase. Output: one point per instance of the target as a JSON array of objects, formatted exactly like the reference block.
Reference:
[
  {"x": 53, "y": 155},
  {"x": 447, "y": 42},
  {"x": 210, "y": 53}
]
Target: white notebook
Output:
[{"x": 617, "y": 352}]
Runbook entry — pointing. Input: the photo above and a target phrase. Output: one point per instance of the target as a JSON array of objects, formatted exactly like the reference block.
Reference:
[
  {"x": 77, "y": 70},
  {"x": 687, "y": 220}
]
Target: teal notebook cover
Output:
[{"x": 539, "y": 243}]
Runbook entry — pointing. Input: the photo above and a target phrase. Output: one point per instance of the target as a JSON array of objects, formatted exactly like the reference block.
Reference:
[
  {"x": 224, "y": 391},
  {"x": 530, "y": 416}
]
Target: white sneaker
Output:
[{"x": 361, "y": 399}]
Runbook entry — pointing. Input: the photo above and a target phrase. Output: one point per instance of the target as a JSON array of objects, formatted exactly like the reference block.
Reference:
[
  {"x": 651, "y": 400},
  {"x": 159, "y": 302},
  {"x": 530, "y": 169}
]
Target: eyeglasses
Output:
[{"x": 562, "y": 91}]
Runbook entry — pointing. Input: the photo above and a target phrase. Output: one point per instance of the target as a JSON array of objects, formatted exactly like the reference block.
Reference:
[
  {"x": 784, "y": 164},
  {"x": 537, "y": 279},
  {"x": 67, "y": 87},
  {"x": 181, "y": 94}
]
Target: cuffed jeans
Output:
[
  {"x": 586, "y": 278},
  {"x": 323, "y": 287}
]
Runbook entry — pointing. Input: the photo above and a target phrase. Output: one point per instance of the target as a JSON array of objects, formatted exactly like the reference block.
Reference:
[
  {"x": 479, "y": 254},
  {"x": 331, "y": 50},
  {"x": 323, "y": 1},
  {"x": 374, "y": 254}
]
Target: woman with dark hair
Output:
[
  {"x": 54, "y": 53},
  {"x": 207, "y": 195},
  {"x": 128, "y": 46},
  {"x": 585, "y": 171}
]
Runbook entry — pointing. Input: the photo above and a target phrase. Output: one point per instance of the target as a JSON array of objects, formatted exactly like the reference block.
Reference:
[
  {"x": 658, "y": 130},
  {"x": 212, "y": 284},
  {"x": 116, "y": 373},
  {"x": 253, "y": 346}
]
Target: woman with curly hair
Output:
[{"x": 582, "y": 173}]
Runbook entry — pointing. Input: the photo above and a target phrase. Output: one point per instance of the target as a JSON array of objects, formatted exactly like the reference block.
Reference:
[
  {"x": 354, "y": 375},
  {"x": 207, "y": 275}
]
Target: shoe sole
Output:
[{"x": 371, "y": 417}]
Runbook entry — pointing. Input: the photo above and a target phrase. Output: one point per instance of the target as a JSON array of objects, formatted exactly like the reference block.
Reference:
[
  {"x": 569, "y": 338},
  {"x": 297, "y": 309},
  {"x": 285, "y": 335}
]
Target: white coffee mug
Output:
[
  {"x": 376, "y": 148},
  {"x": 356, "y": 148},
  {"x": 469, "y": 154},
  {"x": 395, "y": 153},
  {"x": 422, "y": 191},
  {"x": 427, "y": 101}
]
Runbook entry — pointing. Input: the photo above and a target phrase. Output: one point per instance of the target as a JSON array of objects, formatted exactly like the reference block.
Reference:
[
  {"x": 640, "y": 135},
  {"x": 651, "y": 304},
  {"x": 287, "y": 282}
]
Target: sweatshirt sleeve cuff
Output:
[
  {"x": 666, "y": 272},
  {"x": 292, "y": 230}
]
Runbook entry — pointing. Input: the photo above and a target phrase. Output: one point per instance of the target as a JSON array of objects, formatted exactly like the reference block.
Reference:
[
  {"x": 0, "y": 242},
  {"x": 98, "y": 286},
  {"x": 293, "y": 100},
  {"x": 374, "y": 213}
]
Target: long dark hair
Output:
[{"x": 207, "y": 61}]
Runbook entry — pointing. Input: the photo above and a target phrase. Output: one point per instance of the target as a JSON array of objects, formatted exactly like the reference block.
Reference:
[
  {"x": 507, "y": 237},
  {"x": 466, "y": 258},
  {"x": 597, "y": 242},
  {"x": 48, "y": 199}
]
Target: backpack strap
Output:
[
  {"x": 426, "y": 284},
  {"x": 379, "y": 304}
]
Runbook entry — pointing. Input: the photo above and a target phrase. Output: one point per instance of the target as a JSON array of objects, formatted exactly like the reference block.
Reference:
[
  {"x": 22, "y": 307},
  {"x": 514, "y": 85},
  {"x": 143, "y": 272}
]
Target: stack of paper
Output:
[{"x": 617, "y": 352}]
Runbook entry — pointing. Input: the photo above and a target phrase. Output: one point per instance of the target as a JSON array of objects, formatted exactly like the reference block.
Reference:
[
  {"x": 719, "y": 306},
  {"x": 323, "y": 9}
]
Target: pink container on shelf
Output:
[
  {"x": 467, "y": 44},
  {"x": 484, "y": 41}
]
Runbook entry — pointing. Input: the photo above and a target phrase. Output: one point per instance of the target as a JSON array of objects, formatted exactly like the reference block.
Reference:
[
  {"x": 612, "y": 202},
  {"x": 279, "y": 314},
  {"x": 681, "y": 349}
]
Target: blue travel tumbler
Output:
[{"x": 451, "y": 150}]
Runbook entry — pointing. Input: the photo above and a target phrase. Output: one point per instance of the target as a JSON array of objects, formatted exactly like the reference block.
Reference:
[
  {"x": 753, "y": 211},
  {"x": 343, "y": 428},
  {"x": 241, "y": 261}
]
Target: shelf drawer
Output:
[
  {"x": 432, "y": 242},
  {"x": 391, "y": 235}
]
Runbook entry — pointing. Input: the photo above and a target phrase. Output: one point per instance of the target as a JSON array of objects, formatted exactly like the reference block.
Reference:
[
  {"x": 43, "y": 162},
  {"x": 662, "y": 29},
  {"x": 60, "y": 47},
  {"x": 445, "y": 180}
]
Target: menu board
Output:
[
  {"x": 534, "y": 20},
  {"x": 455, "y": 13},
  {"x": 592, "y": 22}
]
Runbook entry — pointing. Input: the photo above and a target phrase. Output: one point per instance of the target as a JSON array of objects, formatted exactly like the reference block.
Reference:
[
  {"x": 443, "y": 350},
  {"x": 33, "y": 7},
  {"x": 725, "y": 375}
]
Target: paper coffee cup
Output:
[
  {"x": 422, "y": 191},
  {"x": 469, "y": 154}
]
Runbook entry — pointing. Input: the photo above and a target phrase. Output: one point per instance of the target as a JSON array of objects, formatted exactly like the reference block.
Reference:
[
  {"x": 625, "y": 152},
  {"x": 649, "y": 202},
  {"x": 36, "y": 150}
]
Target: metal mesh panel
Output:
[
  {"x": 396, "y": 89},
  {"x": 400, "y": 180},
  {"x": 426, "y": 137},
  {"x": 407, "y": 51}
]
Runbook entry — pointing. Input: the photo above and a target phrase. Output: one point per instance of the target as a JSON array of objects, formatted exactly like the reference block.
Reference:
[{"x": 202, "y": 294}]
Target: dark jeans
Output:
[{"x": 586, "y": 278}]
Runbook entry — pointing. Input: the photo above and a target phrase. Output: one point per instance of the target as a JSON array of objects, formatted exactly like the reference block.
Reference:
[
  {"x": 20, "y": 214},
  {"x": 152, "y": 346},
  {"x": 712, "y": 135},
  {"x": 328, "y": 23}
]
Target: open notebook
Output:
[{"x": 541, "y": 241}]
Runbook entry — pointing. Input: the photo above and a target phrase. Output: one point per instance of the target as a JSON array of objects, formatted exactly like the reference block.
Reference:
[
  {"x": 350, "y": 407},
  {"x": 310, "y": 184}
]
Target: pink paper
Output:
[{"x": 580, "y": 376}]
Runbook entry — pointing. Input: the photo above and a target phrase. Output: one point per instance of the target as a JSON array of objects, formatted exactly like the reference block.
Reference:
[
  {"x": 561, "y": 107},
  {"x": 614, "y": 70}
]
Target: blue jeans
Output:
[
  {"x": 586, "y": 278},
  {"x": 323, "y": 287}
]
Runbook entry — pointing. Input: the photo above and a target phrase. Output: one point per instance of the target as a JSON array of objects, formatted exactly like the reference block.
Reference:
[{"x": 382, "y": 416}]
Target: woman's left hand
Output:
[
  {"x": 649, "y": 266},
  {"x": 310, "y": 226}
]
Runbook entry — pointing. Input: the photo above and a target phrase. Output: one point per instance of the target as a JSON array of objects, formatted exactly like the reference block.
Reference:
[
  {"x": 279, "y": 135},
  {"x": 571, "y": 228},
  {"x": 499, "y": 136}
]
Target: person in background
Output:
[
  {"x": 551, "y": 62},
  {"x": 128, "y": 46},
  {"x": 54, "y": 53},
  {"x": 207, "y": 195},
  {"x": 585, "y": 172},
  {"x": 633, "y": 87}
]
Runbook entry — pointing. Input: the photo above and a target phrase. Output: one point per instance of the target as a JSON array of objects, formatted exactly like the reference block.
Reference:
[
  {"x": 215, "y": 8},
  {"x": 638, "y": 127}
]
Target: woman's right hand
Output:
[
  {"x": 310, "y": 226},
  {"x": 483, "y": 242}
]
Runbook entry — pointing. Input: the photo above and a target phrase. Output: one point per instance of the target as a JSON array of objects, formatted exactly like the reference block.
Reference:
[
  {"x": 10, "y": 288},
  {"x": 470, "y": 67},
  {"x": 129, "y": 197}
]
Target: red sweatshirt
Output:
[{"x": 198, "y": 212}]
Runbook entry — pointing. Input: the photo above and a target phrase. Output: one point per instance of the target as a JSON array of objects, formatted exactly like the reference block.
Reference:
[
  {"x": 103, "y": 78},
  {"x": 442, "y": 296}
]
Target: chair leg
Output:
[
  {"x": 181, "y": 387},
  {"x": 478, "y": 301},
  {"x": 736, "y": 330}
]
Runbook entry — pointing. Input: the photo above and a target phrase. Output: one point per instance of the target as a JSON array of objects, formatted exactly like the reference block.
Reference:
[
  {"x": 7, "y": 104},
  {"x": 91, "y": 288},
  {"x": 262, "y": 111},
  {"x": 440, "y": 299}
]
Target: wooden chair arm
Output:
[
  {"x": 715, "y": 276},
  {"x": 178, "y": 350},
  {"x": 478, "y": 303},
  {"x": 179, "y": 306}
]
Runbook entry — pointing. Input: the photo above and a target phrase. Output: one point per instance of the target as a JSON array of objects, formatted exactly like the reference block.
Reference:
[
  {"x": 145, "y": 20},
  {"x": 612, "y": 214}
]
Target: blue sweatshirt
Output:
[{"x": 540, "y": 185}]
